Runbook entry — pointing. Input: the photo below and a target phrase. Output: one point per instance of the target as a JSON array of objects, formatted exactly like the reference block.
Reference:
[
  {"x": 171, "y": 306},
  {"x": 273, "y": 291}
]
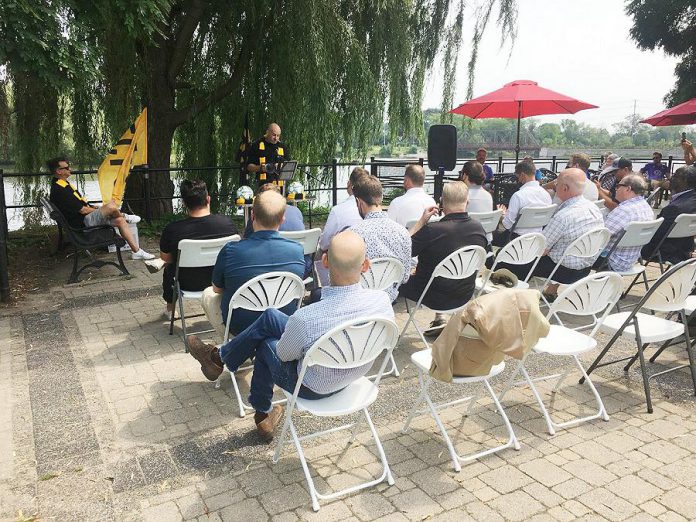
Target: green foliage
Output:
[{"x": 670, "y": 26}]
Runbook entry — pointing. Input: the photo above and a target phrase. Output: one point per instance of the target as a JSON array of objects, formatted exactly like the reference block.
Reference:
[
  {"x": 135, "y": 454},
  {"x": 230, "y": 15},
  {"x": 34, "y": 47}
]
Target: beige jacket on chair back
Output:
[{"x": 506, "y": 322}]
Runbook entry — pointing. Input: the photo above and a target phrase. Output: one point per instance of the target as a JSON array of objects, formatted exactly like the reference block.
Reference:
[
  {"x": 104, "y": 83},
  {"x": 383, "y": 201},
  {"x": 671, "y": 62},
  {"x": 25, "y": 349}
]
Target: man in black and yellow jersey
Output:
[
  {"x": 266, "y": 154},
  {"x": 80, "y": 214}
]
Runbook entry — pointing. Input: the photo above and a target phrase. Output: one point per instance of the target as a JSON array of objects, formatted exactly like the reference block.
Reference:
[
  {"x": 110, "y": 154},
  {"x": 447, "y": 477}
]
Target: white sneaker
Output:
[
  {"x": 141, "y": 255},
  {"x": 131, "y": 218}
]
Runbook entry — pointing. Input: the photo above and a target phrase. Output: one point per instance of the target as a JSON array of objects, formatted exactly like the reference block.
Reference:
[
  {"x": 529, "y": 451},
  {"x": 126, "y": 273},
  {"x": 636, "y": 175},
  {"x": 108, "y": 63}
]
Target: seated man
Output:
[
  {"x": 279, "y": 342},
  {"x": 530, "y": 194},
  {"x": 262, "y": 252},
  {"x": 294, "y": 220},
  {"x": 632, "y": 207},
  {"x": 683, "y": 202},
  {"x": 411, "y": 205},
  {"x": 606, "y": 184},
  {"x": 433, "y": 242},
  {"x": 575, "y": 216},
  {"x": 200, "y": 224},
  {"x": 657, "y": 172},
  {"x": 480, "y": 200},
  {"x": 342, "y": 216},
  {"x": 81, "y": 214},
  {"x": 580, "y": 161},
  {"x": 481, "y": 155},
  {"x": 383, "y": 237}
]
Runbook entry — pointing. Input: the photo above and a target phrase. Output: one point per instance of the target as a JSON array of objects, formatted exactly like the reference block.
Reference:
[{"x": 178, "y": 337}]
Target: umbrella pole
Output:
[{"x": 517, "y": 145}]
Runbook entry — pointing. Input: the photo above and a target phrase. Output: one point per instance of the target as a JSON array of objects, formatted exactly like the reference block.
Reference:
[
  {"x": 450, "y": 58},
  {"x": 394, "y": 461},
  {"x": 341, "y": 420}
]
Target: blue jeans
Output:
[{"x": 259, "y": 340}]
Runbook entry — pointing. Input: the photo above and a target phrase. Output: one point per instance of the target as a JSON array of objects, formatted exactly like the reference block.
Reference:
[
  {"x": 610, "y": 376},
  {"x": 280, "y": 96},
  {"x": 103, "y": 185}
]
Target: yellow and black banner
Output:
[{"x": 130, "y": 150}]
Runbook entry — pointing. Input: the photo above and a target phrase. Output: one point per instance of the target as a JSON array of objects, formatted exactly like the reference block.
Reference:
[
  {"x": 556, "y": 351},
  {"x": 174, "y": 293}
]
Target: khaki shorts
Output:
[{"x": 95, "y": 219}]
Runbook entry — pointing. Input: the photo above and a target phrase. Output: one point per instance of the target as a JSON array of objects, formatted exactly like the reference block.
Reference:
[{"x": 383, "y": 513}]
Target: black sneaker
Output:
[{"x": 435, "y": 328}]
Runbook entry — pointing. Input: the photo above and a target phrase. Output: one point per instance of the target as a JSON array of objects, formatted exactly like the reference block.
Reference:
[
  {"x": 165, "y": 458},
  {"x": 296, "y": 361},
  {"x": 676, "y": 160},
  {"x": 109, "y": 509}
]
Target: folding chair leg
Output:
[
  {"x": 643, "y": 369},
  {"x": 238, "y": 395},
  {"x": 121, "y": 266},
  {"x": 305, "y": 468},
  {"x": 443, "y": 431},
  {"x": 535, "y": 392},
  {"x": 512, "y": 440},
  {"x": 689, "y": 350},
  {"x": 174, "y": 304},
  {"x": 661, "y": 349},
  {"x": 183, "y": 324},
  {"x": 634, "y": 359},
  {"x": 421, "y": 397},
  {"x": 73, "y": 275},
  {"x": 387, "y": 472},
  {"x": 511, "y": 381}
]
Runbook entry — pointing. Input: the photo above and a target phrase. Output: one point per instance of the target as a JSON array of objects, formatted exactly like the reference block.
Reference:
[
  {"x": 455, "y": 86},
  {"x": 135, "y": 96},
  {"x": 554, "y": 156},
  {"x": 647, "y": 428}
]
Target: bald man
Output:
[
  {"x": 266, "y": 155},
  {"x": 279, "y": 342},
  {"x": 261, "y": 252}
]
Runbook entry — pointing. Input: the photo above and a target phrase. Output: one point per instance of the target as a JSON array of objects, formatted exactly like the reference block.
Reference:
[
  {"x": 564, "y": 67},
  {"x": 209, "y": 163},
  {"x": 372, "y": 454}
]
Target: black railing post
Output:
[
  {"x": 334, "y": 182},
  {"x": 553, "y": 163},
  {"x": 500, "y": 164},
  {"x": 4, "y": 264},
  {"x": 373, "y": 166},
  {"x": 421, "y": 162},
  {"x": 670, "y": 159},
  {"x": 146, "y": 192}
]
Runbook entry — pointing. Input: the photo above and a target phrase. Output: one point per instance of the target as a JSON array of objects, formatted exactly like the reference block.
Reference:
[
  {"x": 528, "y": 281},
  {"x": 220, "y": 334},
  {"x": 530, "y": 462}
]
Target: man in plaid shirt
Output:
[{"x": 632, "y": 207}]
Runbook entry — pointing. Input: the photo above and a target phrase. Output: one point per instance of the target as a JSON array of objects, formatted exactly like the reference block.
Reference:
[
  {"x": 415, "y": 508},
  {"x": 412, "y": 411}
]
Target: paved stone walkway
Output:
[{"x": 104, "y": 417}]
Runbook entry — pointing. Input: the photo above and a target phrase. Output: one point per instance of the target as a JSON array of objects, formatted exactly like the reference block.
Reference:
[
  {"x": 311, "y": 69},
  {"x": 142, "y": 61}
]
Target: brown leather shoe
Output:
[
  {"x": 203, "y": 353},
  {"x": 267, "y": 422}
]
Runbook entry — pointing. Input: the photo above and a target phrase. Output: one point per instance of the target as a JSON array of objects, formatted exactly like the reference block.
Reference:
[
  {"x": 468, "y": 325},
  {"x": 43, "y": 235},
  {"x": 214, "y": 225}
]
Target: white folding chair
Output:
[
  {"x": 309, "y": 239},
  {"x": 635, "y": 235},
  {"x": 533, "y": 217},
  {"x": 193, "y": 253},
  {"x": 684, "y": 226},
  {"x": 271, "y": 290},
  {"x": 350, "y": 345},
  {"x": 588, "y": 245},
  {"x": 524, "y": 249},
  {"x": 669, "y": 295},
  {"x": 590, "y": 296},
  {"x": 460, "y": 264},
  {"x": 411, "y": 222},
  {"x": 422, "y": 361},
  {"x": 489, "y": 220},
  {"x": 383, "y": 273}
]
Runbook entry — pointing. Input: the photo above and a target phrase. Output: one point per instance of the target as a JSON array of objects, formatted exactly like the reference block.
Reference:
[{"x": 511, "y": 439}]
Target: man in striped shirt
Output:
[{"x": 279, "y": 342}]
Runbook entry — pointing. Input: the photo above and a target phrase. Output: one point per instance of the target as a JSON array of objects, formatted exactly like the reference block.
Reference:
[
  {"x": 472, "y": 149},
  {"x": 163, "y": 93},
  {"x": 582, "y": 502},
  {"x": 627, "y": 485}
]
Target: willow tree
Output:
[{"x": 327, "y": 70}]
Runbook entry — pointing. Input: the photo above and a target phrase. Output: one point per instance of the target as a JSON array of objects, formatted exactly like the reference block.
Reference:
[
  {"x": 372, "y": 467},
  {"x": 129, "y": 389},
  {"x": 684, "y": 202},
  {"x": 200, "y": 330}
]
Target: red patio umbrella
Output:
[
  {"x": 520, "y": 99},
  {"x": 682, "y": 114}
]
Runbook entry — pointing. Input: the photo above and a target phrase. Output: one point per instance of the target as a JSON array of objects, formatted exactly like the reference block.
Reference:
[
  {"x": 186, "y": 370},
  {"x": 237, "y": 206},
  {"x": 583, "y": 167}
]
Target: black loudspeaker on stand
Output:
[{"x": 442, "y": 153}]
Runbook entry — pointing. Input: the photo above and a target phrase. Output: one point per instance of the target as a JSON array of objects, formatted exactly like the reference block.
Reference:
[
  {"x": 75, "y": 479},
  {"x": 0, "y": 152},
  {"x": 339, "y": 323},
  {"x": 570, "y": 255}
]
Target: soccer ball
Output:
[
  {"x": 245, "y": 192},
  {"x": 295, "y": 187}
]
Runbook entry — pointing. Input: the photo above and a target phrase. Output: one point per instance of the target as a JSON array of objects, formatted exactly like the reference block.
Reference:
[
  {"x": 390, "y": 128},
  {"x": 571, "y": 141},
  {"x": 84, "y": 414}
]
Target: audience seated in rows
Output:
[
  {"x": 383, "y": 237},
  {"x": 411, "y": 205},
  {"x": 433, "y": 242},
  {"x": 630, "y": 192},
  {"x": 530, "y": 194},
  {"x": 200, "y": 224},
  {"x": 80, "y": 214},
  {"x": 262, "y": 252},
  {"x": 580, "y": 161},
  {"x": 683, "y": 185},
  {"x": 575, "y": 216},
  {"x": 480, "y": 200},
  {"x": 278, "y": 342},
  {"x": 608, "y": 179},
  {"x": 293, "y": 221}
]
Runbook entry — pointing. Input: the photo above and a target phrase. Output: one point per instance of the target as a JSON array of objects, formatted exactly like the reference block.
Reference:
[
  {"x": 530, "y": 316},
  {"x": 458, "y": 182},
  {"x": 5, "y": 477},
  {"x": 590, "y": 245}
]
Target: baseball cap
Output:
[{"x": 620, "y": 163}]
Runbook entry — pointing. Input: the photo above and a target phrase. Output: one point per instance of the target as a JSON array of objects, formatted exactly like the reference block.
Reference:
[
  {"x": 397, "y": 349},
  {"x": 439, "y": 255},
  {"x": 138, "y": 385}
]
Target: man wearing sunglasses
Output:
[{"x": 81, "y": 214}]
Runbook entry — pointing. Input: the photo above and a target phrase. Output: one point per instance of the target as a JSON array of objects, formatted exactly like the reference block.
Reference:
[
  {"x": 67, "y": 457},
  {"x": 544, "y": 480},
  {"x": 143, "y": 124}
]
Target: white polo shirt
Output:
[
  {"x": 410, "y": 206},
  {"x": 531, "y": 194},
  {"x": 342, "y": 216}
]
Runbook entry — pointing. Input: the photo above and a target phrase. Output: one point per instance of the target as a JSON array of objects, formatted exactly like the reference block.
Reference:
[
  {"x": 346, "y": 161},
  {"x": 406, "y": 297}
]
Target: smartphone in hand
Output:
[{"x": 683, "y": 136}]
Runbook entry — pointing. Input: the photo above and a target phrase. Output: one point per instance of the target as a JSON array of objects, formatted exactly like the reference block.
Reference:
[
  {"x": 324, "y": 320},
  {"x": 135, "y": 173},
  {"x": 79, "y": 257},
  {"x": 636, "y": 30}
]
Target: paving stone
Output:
[
  {"x": 608, "y": 505},
  {"x": 634, "y": 489},
  {"x": 434, "y": 481},
  {"x": 157, "y": 466},
  {"x": 547, "y": 474},
  {"x": 505, "y": 479},
  {"x": 416, "y": 505},
  {"x": 589, "y": 472},
  {"x": 284, "y": 499},
  {"x": 367, "y": 505},
  {"x": 681, "y": 500},
  {"x": 167, "y": 511},
  {"x": 244, "y": 511},
  {"x": 517, "y": 505}
]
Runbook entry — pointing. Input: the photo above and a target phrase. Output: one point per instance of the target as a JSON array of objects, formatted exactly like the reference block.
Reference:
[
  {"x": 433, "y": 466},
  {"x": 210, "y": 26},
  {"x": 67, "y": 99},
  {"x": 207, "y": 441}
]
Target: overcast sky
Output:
[{"x": 579, "y": 48}]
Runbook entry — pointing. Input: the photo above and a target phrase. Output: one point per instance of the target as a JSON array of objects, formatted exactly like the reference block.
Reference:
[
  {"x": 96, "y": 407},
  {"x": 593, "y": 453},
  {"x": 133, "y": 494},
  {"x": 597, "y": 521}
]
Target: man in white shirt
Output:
[
  {"x": 411, "y": 205},
  {"x": 480, "y": 200},
  {"x": 530, "y": 194},
  {"x": 342, "y": 216},
  {"x": 580, "y": 161}
]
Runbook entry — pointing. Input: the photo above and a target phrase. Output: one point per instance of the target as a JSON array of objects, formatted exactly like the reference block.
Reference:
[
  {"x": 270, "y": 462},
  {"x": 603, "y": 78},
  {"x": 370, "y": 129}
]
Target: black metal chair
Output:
[{"x": 84, "y": 239}]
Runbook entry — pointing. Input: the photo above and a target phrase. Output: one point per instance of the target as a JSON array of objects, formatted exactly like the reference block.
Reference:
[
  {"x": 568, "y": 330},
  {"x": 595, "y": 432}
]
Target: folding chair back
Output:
[
  {"x": 590, "y": 296},
  {"x": 352, "y": 344},
  {"x": 271, "y": 290},
  {"x": 460, "y": 264},
  {"x": 670, "y": 291},
  {"x": 309, "y": 239},
  {"x": 489, "y": 220},
  {"x": 411, "y": 222},
  {"x": 522, "y": 250},
  {"x": 590, "y": 244},
  {"x": 197, "y": 253},
  {"x": 383, "y": 273},
  {"x": 638, "y": 233},
  {"x": 684, "y": 226},
  {"x": 534, "y": 217}
]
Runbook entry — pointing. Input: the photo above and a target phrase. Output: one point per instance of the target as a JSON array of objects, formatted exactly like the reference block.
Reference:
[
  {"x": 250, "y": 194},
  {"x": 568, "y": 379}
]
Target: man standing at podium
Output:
[{"x": 266, "y": 154}]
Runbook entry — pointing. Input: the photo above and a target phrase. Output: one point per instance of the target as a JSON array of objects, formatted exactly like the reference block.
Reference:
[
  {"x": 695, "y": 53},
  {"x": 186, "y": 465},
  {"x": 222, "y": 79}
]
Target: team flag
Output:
[
  {"x": 243, "y": 152},
  {"x": 131, "y": 150}
]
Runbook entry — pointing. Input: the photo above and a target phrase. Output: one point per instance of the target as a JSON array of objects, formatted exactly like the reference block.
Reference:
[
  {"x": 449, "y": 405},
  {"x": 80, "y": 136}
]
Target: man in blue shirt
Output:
[
  {"x": 656, "y": 172},
  {"x": 481, "y": 156},
  {"x": 262, "y": 252}
]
